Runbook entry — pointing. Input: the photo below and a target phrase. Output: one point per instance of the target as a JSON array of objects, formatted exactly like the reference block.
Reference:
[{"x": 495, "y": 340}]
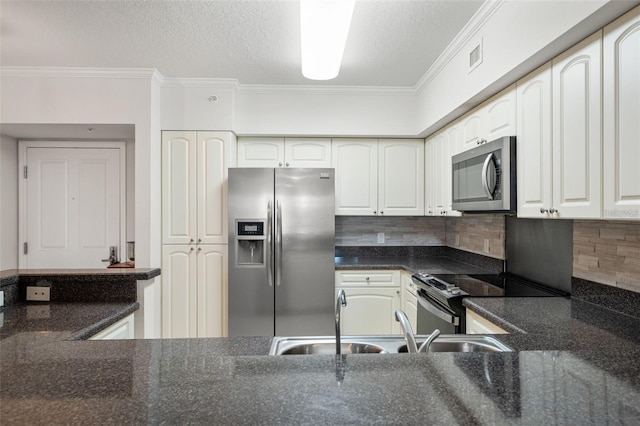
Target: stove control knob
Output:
[{"x": 454, "y": 290}]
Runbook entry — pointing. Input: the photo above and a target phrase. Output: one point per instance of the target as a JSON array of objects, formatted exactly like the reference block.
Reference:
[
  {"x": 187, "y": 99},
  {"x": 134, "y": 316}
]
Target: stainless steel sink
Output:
[
  {"x": 464, "y": 343},
  {"x": 312, "y": 345}
]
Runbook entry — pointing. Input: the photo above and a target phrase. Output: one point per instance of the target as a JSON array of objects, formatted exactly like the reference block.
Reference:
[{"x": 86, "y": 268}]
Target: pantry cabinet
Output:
[
  {"x": 284, "y": 152},
  {"x": 372, "y": 300},
  {"x": 194, "y": 232},
  {"x": 379, "y": 177},
  {"x": 194, "y": 198},
  {"x": 621, "y": 128},
  {"x": 577, "y": 143},
  {"x": 194, "y": 290}
]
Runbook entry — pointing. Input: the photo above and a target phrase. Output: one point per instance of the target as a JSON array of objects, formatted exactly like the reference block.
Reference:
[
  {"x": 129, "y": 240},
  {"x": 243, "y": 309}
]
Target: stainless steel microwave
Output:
[{"x": 484, "y": 177}]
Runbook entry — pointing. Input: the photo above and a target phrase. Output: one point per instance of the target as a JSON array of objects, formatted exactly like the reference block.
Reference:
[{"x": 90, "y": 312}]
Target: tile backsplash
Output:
[
  {"x": 607, "y": 252},
  {"x": 398, "y": 231},
  {"x": 481, "y": 234}
]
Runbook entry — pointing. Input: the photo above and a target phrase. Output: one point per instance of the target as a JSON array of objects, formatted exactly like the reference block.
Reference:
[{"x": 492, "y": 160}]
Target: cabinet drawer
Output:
[{"x": 368, "y": 278}]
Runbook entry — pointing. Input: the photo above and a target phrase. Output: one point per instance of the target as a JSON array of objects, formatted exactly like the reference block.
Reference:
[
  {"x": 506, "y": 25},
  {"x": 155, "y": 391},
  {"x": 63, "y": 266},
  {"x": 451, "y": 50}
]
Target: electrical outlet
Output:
[
  {"x": 40, "y": 294},
  {"x": 487, "y": 246},
  {"x": 380, "y": 237}
]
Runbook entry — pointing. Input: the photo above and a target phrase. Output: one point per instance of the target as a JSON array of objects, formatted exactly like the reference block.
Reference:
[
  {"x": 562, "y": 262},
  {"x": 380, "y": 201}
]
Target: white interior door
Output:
[{"x": 73, "y": 207}]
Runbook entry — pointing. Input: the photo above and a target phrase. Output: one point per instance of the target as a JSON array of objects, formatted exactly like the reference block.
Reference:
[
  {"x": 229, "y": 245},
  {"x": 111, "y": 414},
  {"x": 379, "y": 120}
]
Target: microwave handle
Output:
[{"x": 488, "y": 187}]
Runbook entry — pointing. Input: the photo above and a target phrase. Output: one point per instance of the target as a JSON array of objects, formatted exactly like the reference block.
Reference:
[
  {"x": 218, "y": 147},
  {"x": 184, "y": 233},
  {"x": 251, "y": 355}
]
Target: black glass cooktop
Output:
[{"x": 499, "y": 285}]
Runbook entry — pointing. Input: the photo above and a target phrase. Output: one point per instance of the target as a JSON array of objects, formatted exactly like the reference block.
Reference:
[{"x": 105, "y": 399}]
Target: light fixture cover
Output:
[{"x": 324, "y": 28}]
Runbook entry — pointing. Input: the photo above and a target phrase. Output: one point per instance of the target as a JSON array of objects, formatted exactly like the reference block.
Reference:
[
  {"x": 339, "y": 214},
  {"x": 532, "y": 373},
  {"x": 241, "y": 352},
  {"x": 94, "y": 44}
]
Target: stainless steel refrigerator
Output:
[{"x": 281, "y": 252}]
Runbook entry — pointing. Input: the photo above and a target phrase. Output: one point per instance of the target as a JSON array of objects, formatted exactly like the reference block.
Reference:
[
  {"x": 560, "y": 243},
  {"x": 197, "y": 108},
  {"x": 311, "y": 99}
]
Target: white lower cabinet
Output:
[
  {"x": 409, "y": 300},
  {"x": 372, "y": 299},
  {"x": 480, "y": 325},
  {"x": 123, "y": 329},
  {"x": 194, "y": 290}
]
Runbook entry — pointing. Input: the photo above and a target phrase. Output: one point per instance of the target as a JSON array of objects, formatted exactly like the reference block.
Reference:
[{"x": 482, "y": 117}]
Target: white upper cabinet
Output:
[
  {"x": 577, "y": 130},
  {"x": 493, "y": 119},
  {"x": 401, "y": 177},
  {"x": 438, "y": 151},
  {"x": 622, "y": 117},
  {"x": 307, "y": 152},
  {"x": 383, "y": 177},
  {"x": 194, "y": 173},
  {"x": 356, "y": 165},
  {"x": 533, "y": 139},
  {"x": 284, "y": 152},
  {"x": 500, "y": 115}
]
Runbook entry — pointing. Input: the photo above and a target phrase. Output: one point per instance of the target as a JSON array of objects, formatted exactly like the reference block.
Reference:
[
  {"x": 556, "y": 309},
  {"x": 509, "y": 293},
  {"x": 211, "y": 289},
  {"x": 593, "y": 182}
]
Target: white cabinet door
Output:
[
  {"x": 473, "y": 128},
  {"x": 577, "y": 130},
  {"x": 356, "y": 165},
  {"x": 179, "y": 291},
  {"x": 212, "y": 166},
  {"x": 621, "y": 117},
  {"x": 261, "y": 152},
  {"x": 409, "y": 300},
  {"x": 370, "y": 311},
  {"x": 307, "y": 152},
  {"x": 434, "y": 176},
  {"x": 372, "y": 300},
  {"x": 534, "y": 143},
  {"x": 178, "y": 187},
  {"x": 500, "y": 115},
  {"x": 121, "y": 330},
  {"x": 401, "y": 177},
  {"x": 212, "y": 290},
  {"x": 451, "y": 148}
]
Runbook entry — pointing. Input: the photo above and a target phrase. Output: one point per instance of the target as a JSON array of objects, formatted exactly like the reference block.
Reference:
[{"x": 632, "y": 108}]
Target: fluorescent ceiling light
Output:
[{"x": 324, "y": 26}]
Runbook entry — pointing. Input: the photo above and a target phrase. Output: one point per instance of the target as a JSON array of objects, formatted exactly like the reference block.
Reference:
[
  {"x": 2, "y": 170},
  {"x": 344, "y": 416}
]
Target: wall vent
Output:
[{"x": 475, "y": 56}]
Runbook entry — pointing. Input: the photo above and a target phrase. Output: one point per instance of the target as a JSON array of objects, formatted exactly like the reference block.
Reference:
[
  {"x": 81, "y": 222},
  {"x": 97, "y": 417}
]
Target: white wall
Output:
[
  {"x": 186, "y": 105},
  {"x": 8, "y": 203},
  {"x": 517, "y": 37},
  {"x": 328, "y": 112}
]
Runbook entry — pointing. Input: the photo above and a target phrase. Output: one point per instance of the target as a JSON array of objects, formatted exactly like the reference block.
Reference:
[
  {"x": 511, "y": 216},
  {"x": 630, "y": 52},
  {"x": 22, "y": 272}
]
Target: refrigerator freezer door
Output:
[
  {"x": 251, "y": 291},
  {"x": 304, "y": 252}
]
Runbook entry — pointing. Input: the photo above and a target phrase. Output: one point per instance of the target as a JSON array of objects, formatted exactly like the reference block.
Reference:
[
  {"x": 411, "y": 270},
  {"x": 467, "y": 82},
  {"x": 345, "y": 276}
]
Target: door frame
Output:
[{"x": 22, "y": 186}]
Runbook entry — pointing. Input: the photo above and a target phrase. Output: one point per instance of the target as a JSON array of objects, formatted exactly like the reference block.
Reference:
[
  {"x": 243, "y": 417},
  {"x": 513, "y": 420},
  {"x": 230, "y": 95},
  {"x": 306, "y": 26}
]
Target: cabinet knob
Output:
[
  {"x": 191, "y": 249},
  {"x": 280, "y": 164},
  {"x": 375, "y": 212},
  {"x": 367, "y": 278},
  {"x": 199, "y": 240},
  {"x": 553, "y": 211},
  {"x": 287, "y": 164},
  {"x": 191, "y": 241},
  {"x": 543, "y": 210},
  {"x": 199, "y": 249},
  {"x": 381, "y": 212}
]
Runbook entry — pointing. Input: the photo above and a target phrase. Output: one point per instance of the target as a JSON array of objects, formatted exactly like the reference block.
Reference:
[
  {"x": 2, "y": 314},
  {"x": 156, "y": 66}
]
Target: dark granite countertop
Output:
[
  {"x": 12, "y": 275},
  {"x": 431, "y": 264},
  {"x": 575, "y": 363}
]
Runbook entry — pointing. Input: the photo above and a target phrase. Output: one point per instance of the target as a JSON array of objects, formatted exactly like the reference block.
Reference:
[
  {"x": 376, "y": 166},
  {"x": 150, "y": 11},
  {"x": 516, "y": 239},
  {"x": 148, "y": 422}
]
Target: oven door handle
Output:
[{"x": 445, "y": 316}]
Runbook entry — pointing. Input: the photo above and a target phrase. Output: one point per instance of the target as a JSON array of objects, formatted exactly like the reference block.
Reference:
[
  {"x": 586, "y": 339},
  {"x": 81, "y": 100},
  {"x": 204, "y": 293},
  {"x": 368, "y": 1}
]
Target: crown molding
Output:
[
  {"x": 80, "y": 72},
  {"x": 325, "y": 90},
  {"x": 477, "y": 21},
  {"x": 230, "y": 83}
]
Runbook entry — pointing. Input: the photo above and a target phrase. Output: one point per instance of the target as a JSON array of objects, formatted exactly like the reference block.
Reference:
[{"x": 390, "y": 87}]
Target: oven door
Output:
[{"x": 431, "y": 316}]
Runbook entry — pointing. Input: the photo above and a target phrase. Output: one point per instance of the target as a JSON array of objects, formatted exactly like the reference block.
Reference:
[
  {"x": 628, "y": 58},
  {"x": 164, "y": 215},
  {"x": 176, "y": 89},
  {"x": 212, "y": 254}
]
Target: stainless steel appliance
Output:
[
  {"x": 440, "y": 296},
  {"x": 484, "y": 177},
  {"x": 281, "y": 252}
]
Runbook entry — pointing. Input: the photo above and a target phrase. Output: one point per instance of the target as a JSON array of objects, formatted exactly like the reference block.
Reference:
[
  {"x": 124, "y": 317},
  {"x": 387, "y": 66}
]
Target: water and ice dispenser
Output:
[{"x": 250, "y": 243}]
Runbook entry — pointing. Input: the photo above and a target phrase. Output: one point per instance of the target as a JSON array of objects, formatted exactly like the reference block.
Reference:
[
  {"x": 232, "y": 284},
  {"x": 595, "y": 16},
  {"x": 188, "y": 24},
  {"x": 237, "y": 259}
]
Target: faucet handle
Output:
[{"x": 424, "y": 347}]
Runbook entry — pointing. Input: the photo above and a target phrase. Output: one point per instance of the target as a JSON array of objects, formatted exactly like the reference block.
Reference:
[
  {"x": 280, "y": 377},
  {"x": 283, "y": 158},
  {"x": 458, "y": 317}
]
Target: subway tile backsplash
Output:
[
  {"x": 607, "y": 252},
  {"x": 482, "y": 234}
]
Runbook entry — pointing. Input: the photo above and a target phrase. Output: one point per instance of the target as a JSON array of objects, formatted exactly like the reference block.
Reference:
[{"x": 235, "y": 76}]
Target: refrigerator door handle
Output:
[
  {"x": 268, "y": 245},
  {"x": 278, "y": 244}
]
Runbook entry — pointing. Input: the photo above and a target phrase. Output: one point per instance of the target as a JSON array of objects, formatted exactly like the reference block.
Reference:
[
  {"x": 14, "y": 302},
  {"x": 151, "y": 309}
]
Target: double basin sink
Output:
[{"x": 313, "y": 345}]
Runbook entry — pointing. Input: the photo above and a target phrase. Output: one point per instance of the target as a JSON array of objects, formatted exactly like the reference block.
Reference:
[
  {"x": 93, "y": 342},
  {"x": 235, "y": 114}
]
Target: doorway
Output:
[{"x": 72, "y": 203}]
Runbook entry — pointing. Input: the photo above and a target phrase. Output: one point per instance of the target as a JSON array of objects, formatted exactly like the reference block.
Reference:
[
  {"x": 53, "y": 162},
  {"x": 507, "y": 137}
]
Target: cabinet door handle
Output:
[
  {"x": 543, "y": 210},
  {"x": 280, "y": 164},
  {"x": 287, "y": 164},
  {"x": 553, "y": 211}
]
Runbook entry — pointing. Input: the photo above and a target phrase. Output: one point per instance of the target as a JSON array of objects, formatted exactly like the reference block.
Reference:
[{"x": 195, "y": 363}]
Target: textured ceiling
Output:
[{"x": 391, "y": 43}]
